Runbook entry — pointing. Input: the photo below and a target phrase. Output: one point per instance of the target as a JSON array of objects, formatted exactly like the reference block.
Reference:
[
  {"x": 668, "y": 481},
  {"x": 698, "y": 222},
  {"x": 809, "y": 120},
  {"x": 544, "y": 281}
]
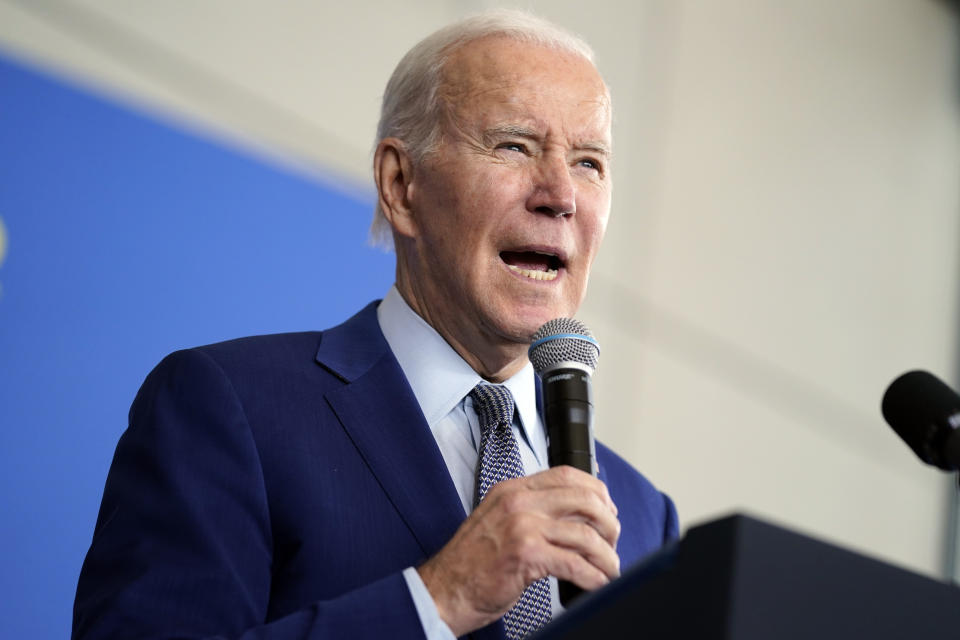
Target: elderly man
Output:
[{"x": 318, "y": 485}]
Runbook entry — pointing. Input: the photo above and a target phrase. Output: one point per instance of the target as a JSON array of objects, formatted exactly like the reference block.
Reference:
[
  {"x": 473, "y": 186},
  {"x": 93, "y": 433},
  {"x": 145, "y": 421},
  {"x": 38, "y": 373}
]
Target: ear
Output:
[{"x": 393, "y": 174}]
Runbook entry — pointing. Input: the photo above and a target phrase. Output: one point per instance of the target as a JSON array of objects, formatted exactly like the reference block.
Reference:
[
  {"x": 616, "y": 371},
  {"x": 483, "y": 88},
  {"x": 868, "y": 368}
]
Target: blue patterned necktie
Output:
[{"x": 500, "y": 460}]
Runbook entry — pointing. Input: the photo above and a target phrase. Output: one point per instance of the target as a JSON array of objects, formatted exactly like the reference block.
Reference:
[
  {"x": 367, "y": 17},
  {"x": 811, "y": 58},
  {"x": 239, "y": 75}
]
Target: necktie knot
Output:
[
  {"x": 499, "y": 455},
  {"x": 494, "y": 405}
]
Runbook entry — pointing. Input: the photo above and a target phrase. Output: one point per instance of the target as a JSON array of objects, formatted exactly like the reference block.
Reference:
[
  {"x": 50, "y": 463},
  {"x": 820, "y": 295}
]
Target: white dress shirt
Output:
[{"x": 441, "y": 381}]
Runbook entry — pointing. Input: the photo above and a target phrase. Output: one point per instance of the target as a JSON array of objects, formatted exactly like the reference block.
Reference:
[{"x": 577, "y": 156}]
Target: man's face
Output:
[{"x": 511, "y": 207}]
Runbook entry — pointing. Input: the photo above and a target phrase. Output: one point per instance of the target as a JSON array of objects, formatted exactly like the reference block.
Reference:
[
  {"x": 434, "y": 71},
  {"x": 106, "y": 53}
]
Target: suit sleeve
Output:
[
  {"x": 183, "y": 544},
  {"x": 671, "y": 526}
]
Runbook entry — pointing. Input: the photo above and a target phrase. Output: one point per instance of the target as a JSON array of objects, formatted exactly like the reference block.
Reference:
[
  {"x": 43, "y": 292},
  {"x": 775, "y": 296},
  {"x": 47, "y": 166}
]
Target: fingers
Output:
[
  {"x": 587, "y": 559},
  {"x": 562, "y": 493},
  {"x": 559, "y": 522},
  {"x": 565, "y": 476},
  {"x": 538, "y": 545}
]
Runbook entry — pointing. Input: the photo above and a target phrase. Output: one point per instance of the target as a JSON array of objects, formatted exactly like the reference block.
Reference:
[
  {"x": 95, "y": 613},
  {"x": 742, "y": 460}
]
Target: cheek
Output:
[
  {"x": 484, "y": 204},
  {"x": 440, "y": 219},
  {"x": 597, "y": 227},
  {"x": 601, "y": 231},
  {"x": 503, "y": 183},
  {"x": 592, "y": 237}
]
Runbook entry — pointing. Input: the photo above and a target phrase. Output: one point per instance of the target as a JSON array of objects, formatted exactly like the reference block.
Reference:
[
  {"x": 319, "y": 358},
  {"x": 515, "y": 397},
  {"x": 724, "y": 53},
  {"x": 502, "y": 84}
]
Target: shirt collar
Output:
[{"x": 439, "y": 377}]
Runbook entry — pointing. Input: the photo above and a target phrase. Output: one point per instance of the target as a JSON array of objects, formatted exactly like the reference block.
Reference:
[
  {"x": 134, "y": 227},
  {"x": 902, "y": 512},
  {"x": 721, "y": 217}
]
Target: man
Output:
[{"x": 317, "y": 485}]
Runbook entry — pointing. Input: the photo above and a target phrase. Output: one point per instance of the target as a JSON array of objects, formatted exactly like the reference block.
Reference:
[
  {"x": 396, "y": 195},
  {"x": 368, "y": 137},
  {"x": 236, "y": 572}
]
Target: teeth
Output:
[{"x": 549, "y": 274}]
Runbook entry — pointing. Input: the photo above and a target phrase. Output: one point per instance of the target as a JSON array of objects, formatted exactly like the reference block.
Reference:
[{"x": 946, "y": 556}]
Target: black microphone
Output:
[
  {"x": 925, "y": 412},
  {"x": 564, "y": 354}
]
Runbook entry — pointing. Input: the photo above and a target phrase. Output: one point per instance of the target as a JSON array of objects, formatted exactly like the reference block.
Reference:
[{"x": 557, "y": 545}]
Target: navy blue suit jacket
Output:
[{"x": 276, "y": 487}]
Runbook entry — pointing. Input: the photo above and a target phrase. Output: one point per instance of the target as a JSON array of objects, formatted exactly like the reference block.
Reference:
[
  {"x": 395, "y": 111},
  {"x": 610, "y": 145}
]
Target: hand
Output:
[{"x": 559, "y": 522}]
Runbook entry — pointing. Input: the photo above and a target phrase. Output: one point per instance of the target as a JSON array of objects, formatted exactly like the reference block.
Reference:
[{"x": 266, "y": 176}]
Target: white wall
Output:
[{"x": 785, "y": 228}]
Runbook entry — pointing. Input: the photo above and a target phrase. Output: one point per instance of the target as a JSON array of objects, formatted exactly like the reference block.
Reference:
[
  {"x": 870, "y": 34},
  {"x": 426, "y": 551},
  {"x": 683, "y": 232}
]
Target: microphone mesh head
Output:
[{"x": 563, "y": 340}]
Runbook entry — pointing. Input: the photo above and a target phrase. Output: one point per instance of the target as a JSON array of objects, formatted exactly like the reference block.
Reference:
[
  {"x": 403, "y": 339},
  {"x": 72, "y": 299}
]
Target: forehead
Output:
[{"x": 498, "y": 79}]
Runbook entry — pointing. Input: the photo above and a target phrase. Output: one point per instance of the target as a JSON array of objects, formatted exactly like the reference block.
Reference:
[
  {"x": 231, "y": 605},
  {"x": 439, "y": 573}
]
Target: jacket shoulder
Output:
[{"x": 264, "y": 350}]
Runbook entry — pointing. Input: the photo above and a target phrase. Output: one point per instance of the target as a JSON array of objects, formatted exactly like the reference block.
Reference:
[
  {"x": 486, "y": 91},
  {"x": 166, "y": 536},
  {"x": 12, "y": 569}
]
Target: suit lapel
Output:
[{"x": 378, "y": 410}]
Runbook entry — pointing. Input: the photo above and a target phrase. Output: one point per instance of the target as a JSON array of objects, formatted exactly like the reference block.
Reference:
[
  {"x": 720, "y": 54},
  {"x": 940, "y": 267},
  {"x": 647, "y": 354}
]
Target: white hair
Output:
[{"x": 411, "y": 110}]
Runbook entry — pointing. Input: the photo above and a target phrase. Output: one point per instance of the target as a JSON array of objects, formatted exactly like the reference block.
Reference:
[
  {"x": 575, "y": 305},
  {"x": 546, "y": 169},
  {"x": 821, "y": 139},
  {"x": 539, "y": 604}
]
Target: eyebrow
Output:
[
  {"x": 597, "y": 147},
  {"x": 509, "y": 130},
  {"x": 520, "y": 131}
]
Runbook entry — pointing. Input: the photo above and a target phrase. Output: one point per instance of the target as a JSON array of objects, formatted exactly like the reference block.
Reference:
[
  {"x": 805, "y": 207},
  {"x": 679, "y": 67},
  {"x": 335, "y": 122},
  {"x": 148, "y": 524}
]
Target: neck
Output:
[{"x": 493, "y": 358}]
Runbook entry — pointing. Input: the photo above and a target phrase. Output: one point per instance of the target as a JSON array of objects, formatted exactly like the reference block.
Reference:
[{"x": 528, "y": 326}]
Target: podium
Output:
[{"x": 743, "y": 579}]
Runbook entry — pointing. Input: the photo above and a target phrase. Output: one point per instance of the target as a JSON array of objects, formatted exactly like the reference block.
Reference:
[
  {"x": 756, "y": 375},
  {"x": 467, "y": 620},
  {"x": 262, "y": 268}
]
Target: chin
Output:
[
  {"x": 518, "y": 312},
  {"x": 526, "y": 319}
]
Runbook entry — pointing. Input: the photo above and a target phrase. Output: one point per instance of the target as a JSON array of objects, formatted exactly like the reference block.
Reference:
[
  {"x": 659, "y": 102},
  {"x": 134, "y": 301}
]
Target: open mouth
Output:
[{"x": 536, "y": 265}]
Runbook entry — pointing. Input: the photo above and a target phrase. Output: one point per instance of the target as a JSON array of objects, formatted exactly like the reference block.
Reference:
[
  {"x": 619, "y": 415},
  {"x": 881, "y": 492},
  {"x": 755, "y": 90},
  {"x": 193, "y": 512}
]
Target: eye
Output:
[
  {"x": 590, "y": 163},
  {"x": 519, "y": 147}
]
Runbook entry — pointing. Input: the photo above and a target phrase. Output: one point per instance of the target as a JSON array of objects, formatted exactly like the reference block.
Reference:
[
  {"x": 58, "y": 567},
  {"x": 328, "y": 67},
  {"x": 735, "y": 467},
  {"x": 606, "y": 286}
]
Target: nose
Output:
[{"x": 554, "y": 192}]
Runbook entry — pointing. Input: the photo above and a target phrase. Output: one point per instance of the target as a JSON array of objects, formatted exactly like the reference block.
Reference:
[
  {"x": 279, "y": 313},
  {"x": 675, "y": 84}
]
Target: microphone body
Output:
[
  {"x": 564, "y": 354},
  {"x": 568, "y": 412},
  {"x": 925, "y": 412}
]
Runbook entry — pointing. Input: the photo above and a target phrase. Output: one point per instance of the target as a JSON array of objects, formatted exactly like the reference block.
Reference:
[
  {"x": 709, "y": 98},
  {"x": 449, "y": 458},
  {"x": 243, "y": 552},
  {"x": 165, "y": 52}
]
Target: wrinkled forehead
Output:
[{"x": 499, "y": 73}]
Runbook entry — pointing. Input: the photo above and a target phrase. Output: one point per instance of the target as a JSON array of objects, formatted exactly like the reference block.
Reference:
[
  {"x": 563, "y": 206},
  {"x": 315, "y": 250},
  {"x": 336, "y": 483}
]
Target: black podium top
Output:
[{"x": 742, "y": 579}]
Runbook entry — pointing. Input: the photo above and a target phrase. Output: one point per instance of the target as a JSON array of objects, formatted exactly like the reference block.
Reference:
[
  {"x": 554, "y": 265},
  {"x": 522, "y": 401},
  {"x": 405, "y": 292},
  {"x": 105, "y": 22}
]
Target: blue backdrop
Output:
[{"x": 127, "y": 238}]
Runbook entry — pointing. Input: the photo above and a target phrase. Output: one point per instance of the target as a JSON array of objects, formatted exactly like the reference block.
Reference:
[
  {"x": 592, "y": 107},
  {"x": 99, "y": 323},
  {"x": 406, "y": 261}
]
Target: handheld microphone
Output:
[
  {"x": 564, "y": 354},
  {"x": 925, "y": 412}
]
